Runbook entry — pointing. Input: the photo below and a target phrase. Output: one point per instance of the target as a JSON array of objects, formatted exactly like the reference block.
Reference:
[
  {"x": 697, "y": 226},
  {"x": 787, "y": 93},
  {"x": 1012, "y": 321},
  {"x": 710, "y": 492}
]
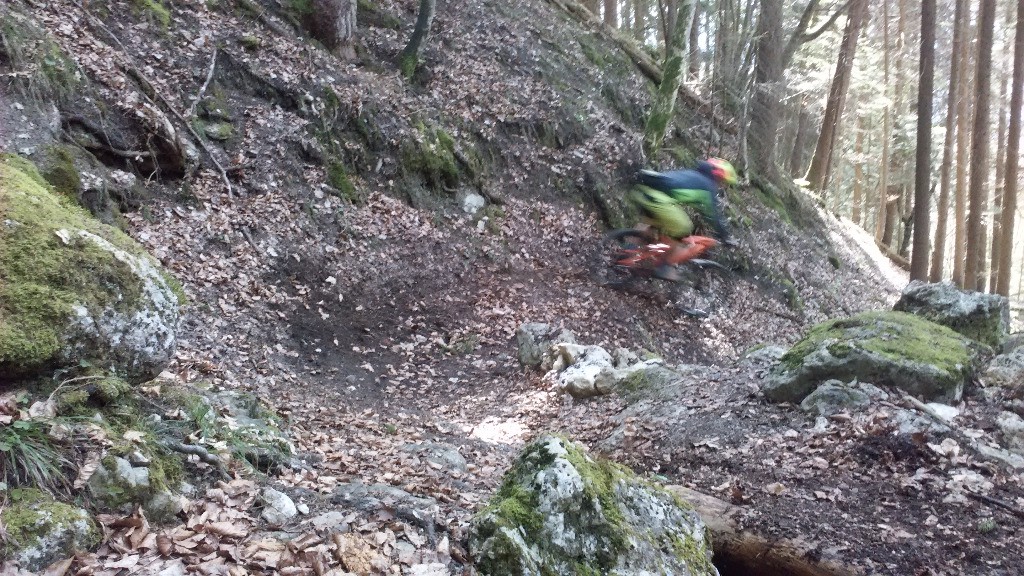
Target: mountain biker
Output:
[{"x": 661, "y": 196}]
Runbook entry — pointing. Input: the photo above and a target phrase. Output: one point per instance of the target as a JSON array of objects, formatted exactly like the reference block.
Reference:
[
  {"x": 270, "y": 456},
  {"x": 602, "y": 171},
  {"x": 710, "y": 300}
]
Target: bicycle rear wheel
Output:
[
  {"x": 707, "y": 288},
  {"x": 622, "y": 256}
]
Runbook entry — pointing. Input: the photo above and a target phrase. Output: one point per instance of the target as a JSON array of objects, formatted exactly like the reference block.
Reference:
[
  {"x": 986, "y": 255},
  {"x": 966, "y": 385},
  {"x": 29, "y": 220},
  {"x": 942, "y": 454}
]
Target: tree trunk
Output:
[
  {"x": 881, "y": 215},
  {"x": 963, "y": 132},
  {"x": 664, "y": 105},
  {"x": 1009, "y": 208},
  {"x": 979, "y": 150},
  {"x": 410, "y": 57},
  {"x": 858, "y": 173},
  {"x": 768, "y": 90},
  {"x": 953, "y": 97},
  {"x": 333, "y": 24},
  {"x": 640, "y": 8},
  {"x": 611, "y": 13},
  {"x": 817, "y": 174},
  {"x": 923, "y": 164},
  {"x": 803, "y": 127},
  {"x": 997, "y": 196},
  {"x": 594, "y": 6},
  {"x": 694, "y": 68}
]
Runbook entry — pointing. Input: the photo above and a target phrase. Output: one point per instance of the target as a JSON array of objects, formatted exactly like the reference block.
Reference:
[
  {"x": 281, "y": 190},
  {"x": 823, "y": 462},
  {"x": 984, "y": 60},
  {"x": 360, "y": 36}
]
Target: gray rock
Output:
[
  {"x": 886, "y": 348},
  {"x": 560, "y": 512},
  {"x": 164, "y": 505},
  {"x": 421, "y": 511},
  {"x": 585, "y": 371},
  {"x": 1007, "y": 369},
  {"x": 834, "y": 396},
  {"x": 443, "y": 455},
  {"x": 534, "y": 339},
  {"x": 1012, "y": 427},
  {"x": 278, "y": 507},
  {"x": 473, "y": 202},
  {"x": 981, "y": 317}
]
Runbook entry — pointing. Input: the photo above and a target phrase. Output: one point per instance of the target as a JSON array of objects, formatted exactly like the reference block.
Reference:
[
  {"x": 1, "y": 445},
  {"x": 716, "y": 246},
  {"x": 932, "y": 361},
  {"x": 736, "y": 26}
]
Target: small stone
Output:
[{"x": 279, "y": 507}]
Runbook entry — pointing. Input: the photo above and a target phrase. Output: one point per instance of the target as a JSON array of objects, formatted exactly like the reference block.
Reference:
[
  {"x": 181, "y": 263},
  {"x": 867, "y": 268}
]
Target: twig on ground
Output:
[
  {"x": 996, "y": 502},
  {"x": 202, "y": 90},
  {"x": 202, "y": 453}
]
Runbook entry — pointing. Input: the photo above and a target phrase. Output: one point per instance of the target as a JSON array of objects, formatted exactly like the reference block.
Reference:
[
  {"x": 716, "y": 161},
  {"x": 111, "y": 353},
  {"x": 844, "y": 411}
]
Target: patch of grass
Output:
[
  {"x": 30, "y": 458},
  {"x": 155, "y": 10}
]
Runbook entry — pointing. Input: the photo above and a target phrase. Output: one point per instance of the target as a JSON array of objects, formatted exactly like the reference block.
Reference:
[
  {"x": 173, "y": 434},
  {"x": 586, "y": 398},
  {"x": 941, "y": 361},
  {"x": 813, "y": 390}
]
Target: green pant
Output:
[{"x": 662, "y": 211}]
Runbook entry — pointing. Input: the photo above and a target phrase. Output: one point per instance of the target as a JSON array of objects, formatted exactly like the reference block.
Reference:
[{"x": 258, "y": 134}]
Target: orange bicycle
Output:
[{"x": 628, "y": 255}]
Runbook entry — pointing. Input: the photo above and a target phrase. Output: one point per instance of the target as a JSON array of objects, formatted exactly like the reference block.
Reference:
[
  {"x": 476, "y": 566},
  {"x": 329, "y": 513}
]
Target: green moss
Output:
[
  {"x": 30, "y": 515},
  {"x": 250, "y": 42},
  {"x": 156, "y": 10},
  {"x": 58, "y": 169},
  {"x": 892, "y": 335},
  {"x": 47, "y": 269},
  {"x": 772, "y": 200},
  {"x": 337, "y": 177},
  {"x": 111, "y": 388},
  {"x": 432, "y": 156},
  {"x": 218, "y": 131}
]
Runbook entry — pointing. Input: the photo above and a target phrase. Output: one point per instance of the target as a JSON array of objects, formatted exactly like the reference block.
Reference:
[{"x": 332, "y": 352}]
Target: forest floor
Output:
[{"x": 375, "y": 328}]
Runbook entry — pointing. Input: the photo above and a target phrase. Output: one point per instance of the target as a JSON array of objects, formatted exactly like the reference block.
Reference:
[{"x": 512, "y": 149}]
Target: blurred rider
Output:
[{"x": 662, "y": 196}]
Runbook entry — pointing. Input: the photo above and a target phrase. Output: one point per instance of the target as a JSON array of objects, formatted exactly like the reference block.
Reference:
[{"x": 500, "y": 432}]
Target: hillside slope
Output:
[{"x": 344, "y": 280}]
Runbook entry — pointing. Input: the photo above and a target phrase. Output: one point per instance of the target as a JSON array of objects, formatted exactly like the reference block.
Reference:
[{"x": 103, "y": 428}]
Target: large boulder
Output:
[
  {"x": 74, "y": 290},
  {"x": 535, "y": 338},
  {"x": 981, "y": 317},
  {"x": 560, "y": 513},
  {"x": 891, "y": 348},
  {"x": 1007, "y": 369}
]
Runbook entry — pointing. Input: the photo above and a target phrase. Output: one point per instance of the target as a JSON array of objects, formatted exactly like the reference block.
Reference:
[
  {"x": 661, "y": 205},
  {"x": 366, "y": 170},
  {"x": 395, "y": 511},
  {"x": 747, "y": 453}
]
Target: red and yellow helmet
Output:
[{"x": 723, "y": 171}]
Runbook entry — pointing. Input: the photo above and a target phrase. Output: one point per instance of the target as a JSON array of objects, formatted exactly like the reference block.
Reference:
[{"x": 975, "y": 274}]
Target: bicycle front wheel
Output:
[{"x": 622, "y": 256}]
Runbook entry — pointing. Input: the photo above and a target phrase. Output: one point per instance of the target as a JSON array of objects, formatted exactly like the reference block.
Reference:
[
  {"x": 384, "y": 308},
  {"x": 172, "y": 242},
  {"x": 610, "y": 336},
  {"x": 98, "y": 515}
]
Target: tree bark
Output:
[
  {"x": 997, "y": 196},
  {"x": 410, "y": 57},
  {"x": 881, "y": 216},
  {"x": 333, "y": 24},
  {"x": 803, "y": 126},
  {"x": 611, "y": 13},
  {"x": 768, "y": 90},
  {"x": 923, "y": 164},
  {"x": 979, "y": 150},
  {"x": 1009, "y": 208},
  {"x": 858, "y": 173},
  {"x": 664, "y": 106},
  {"x": 953, "y": 97},
  {"x": 640, "y": 8},
  {"x": 594, "y": 6},
  {"x": 963, "y": 135},
  {"x": 694, "y": 67}
]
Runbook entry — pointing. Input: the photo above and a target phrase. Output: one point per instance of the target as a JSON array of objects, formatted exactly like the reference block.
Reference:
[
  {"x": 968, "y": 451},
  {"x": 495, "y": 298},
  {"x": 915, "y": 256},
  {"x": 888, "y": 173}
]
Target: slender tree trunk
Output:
[
  {"x": 963, "y": 134},
  {"x": 410, "y": 57},
  {"x": 594, "y": 6},
  {"x": 818, "y": 173},
  {"x": 954, "y": 95},
  {"x": 979, "y": 150},
  {"x": 767, "y": 91},
  {"x": 858, "y": 173},
  {"x": 640, "y": 9},
  {"x": 664, "y": 105},
  {"x": 881, "y": 217},
  {"x": 1009, "y": 208},
  {"x": 611, "y": 13},
  {"x": 923, "y": 164},
  {"x": 694, "y": 68},
  {"x": 997, "y": 188},
  {"x": 333, "y": 23},
  {"x": 803, "y": 127}
]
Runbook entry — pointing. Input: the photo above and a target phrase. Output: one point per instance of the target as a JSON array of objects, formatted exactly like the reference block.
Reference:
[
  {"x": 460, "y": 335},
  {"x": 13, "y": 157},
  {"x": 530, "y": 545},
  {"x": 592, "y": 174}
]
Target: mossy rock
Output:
[
  {"x": 73, "y": 289},
  {"x": 432, "y": 157},
  {"x": 39, "y": 530},
  {"x": 979, "y": 316},
  {"x": 884, "y": 348},
  {"x": 218, "y": 131},
  {"x": 560, "y": 512},
  {"x": 44, "y": 71}
]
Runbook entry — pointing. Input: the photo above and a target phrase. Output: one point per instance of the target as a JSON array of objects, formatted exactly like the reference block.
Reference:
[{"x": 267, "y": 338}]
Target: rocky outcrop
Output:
[
  {"x": 74, "y": 290},
  {"x": 981, "y": 317},
  {"x": 560, "y": 512},
  {"x": 884, "y": 348},
  {"x": 584, "y": 371},
  {"x": 535, "y": 338}
]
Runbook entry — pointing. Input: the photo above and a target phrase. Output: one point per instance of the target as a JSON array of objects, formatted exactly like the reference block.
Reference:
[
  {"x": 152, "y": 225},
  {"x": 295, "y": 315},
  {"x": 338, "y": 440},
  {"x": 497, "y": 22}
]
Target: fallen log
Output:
[{"x": 744, "y": 552}]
